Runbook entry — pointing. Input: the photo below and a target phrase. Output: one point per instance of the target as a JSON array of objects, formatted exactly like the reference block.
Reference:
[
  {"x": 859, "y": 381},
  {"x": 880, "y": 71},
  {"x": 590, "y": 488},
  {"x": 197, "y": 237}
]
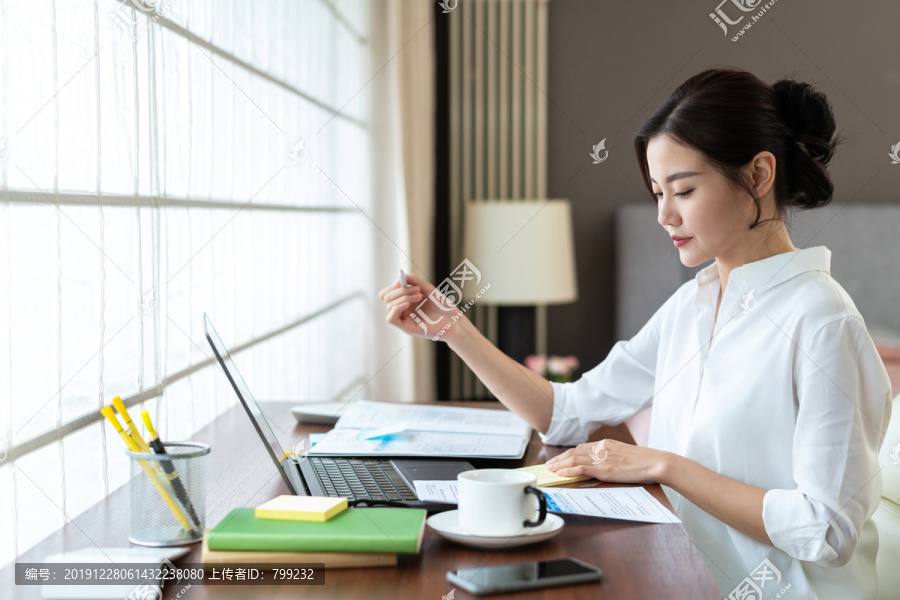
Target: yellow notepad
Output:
[
  {"x": 301, "y": 508},
  {"x": 547, "y": 478}
]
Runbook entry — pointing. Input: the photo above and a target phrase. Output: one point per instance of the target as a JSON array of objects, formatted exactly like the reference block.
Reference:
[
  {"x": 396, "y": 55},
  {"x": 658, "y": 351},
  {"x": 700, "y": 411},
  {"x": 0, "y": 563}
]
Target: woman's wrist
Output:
[
  {"x": 669, "y": 469},
  {"x": 458, "y": 334}
]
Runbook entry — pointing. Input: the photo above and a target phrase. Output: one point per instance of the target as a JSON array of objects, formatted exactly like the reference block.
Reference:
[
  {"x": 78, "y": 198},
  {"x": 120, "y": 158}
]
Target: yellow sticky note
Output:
[
  {"x": 301, "y": 508},
  {"x": 547, "y": 478}
]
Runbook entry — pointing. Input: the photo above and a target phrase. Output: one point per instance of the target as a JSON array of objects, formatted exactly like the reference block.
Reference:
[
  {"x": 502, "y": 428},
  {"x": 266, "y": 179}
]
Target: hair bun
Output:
[
  {"x": 729, "y": 116},
  {"x": 808, "y": 117}
]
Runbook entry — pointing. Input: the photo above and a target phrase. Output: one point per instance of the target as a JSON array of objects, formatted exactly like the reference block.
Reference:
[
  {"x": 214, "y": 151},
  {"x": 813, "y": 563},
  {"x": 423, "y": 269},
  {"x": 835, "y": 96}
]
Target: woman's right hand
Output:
[
  {"x": 423, "y": 311},
  {"x": 415, "y": 308}
]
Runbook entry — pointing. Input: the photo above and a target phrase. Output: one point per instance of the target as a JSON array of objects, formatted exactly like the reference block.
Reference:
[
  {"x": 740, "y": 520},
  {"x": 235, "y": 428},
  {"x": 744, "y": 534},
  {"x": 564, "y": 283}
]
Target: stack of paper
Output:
[{"x": 382, "y": 428}]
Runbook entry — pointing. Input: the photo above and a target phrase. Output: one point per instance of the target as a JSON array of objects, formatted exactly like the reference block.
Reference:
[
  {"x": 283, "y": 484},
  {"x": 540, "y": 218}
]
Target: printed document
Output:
[
  {"x": 627, "y": 503},
  {"x": 418, "y": 417},
  {"x": 386, "y": 429}
]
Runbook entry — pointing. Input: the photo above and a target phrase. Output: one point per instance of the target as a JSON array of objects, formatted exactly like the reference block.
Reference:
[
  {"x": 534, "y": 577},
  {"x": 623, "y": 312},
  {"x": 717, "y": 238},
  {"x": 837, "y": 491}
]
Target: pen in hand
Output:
[{"x": 403, "y": 279}]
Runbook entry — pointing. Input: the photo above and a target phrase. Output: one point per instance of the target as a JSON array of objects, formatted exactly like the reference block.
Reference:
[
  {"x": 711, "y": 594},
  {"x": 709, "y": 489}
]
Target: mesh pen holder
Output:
[{"x": 168, "y": 495}]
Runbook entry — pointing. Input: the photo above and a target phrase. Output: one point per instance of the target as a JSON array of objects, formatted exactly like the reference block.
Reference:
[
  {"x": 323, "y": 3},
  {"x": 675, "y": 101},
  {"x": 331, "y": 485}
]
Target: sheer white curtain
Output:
[
  {"x": 404, "y": 180},
  {"x": 162, "y": 160},
  {"x": 416, "y": 101}
]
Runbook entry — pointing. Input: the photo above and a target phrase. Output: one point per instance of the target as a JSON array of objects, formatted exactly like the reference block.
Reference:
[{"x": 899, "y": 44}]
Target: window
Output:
[{"x": 161, "y": 160}]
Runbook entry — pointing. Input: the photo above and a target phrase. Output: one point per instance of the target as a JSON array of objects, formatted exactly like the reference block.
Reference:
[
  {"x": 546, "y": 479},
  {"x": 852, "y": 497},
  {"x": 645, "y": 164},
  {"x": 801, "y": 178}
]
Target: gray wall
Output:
[{"x": 613, "y": 62}]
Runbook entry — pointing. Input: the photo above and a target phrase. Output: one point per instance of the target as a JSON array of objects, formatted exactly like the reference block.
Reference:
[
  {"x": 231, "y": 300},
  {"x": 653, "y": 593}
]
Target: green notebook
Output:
[{"x": 388, "y": 530}]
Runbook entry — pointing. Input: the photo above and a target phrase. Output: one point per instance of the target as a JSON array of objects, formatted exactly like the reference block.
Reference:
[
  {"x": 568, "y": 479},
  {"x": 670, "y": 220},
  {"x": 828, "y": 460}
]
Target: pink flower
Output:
[
  {"x": 558, "y": 365},
  {"x": 537, "y": 363},
  {"x": 562, "y": 365}
]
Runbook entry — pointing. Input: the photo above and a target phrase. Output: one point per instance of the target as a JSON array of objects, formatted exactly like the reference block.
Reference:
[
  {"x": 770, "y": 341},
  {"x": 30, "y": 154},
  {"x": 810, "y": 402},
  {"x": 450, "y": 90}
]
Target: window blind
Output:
[{"x": 160, "y": 160}]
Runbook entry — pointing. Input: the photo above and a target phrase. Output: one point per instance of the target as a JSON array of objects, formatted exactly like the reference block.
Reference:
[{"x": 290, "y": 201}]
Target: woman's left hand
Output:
[{"x": 613, "y": 461}]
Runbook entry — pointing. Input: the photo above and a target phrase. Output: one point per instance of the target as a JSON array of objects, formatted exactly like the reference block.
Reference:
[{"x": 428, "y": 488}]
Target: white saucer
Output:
[{"x": 446, "y": 525}]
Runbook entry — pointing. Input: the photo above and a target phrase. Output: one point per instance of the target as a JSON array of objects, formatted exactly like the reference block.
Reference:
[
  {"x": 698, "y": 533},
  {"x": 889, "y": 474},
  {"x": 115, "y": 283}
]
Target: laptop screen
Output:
[{"x": 276, "y": 450}]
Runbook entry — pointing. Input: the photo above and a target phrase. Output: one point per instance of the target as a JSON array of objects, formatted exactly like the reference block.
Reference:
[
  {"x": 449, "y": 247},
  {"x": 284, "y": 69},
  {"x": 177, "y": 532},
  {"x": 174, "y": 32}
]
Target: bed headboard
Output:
[{"x": 864, "y": 240}]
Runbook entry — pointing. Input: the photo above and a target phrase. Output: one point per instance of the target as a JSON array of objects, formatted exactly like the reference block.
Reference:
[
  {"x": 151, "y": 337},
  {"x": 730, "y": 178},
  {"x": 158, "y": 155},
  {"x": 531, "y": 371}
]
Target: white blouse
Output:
[{"x": 784, "y": 391}]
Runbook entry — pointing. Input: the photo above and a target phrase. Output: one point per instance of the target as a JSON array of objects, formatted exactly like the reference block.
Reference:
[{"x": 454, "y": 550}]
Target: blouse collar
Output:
[{"x": 774, "y": 270}]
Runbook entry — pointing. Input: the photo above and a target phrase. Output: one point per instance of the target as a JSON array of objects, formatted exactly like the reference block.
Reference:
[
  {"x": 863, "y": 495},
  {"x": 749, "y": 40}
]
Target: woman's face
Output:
[{"x": 697, "y": 202}]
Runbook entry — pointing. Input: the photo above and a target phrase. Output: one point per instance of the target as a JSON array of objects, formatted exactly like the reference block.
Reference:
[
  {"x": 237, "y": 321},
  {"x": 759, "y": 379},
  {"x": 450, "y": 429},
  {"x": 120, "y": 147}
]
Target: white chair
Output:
[{"x": 887, "y": 517}]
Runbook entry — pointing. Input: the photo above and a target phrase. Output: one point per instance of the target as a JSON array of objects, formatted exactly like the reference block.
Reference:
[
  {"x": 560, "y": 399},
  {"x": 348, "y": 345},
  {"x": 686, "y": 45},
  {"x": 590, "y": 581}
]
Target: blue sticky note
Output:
[{"x": 380, "y": 432}]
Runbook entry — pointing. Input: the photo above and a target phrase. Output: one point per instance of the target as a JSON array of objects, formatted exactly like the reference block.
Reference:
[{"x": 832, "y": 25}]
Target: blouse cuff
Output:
[
  {"x": 797, "y": 525},
  {"x": 565, "y": 428}
]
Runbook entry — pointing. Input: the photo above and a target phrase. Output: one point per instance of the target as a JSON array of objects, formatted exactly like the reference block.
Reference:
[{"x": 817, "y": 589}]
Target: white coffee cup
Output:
[{"x": 499, "y": 502}]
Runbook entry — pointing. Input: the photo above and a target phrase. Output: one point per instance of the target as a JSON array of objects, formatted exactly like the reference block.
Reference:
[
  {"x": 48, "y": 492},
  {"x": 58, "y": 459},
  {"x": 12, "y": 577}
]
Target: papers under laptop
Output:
[
  {"x": 388, "y": 429},
  {"x": 367, "y": 480}
]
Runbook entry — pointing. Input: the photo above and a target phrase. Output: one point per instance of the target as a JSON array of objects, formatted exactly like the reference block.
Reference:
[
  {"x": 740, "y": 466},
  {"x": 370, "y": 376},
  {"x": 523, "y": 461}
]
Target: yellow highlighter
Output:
[
  {"x": 108, "y": 412},
  {"x": 130, "y": 429},
  {"x": 111, "y": 416}
]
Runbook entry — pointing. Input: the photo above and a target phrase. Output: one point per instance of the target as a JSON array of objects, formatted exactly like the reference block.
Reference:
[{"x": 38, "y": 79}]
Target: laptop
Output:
[{"x": 363, "y": 480}]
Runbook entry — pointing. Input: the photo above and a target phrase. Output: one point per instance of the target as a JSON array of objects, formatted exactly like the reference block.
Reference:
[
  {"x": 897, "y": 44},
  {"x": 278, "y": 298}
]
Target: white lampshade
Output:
[{"x": 524, "y": 249}]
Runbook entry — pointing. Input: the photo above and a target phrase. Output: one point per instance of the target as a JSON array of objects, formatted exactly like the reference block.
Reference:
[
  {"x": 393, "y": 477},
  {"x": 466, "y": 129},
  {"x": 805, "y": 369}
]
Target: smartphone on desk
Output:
[{"x": 529, "y": 575}]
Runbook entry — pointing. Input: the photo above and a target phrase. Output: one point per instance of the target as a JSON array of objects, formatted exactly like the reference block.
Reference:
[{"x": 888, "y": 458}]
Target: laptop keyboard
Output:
[{"x": 361, "y": 479}]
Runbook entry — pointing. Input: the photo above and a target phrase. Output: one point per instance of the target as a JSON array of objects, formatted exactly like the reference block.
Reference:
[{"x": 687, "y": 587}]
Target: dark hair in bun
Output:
[{"x": 729, "y": 116}]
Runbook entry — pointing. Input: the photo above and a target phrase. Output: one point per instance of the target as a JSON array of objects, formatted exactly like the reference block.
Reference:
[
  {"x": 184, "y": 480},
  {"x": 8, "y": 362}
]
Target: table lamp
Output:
[{"x": 525, "y": 250}]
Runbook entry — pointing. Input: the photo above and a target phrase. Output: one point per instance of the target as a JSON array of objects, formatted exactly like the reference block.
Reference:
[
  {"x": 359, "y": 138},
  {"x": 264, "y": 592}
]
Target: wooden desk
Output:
[{"x": 648, "y": 561}]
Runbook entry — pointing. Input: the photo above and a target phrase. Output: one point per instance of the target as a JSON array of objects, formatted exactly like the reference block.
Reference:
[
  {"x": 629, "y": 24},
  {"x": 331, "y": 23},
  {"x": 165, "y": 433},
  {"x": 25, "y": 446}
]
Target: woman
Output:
[{"x": 769, "y": 400}]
